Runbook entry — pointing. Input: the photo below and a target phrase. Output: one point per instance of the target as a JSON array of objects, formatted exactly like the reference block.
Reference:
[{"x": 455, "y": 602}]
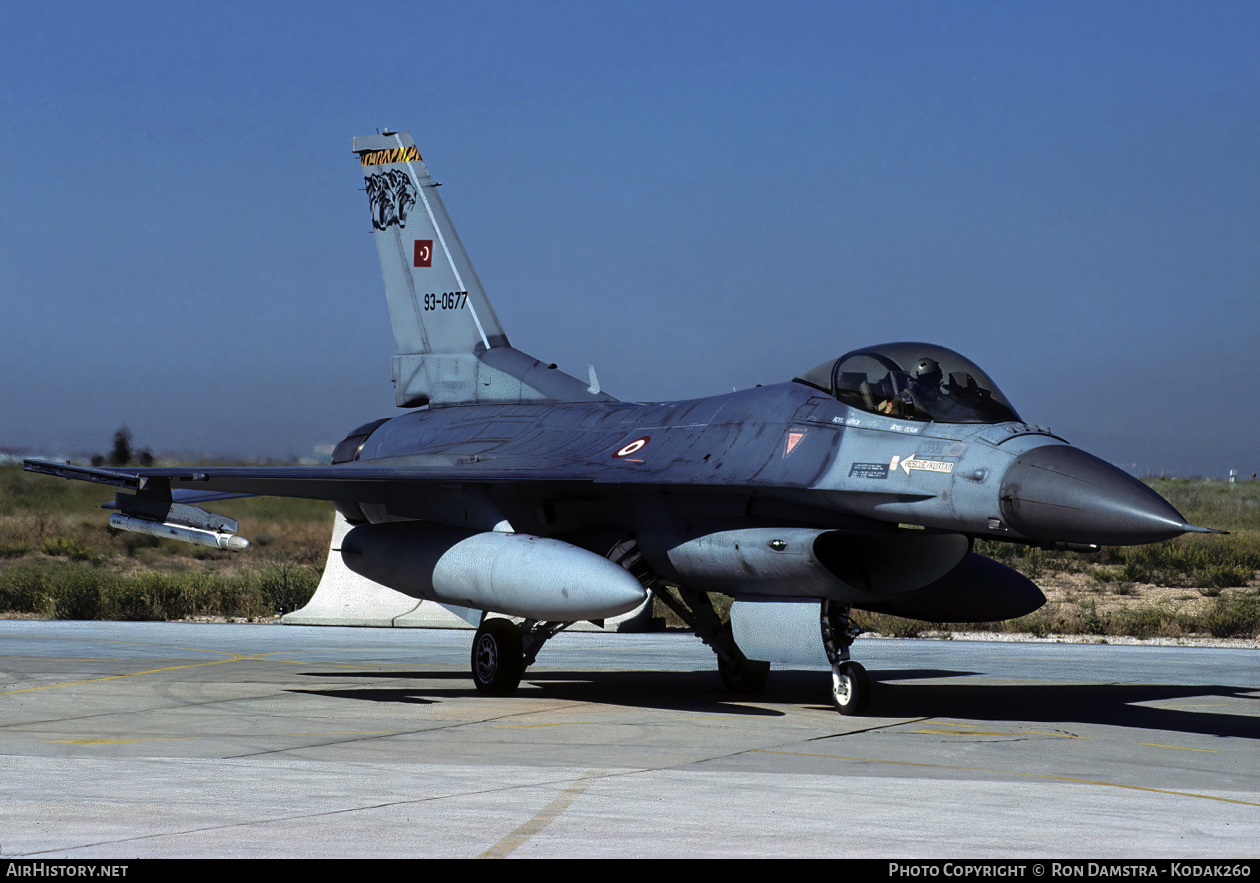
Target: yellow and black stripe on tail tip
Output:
[{"x": 388, "y": 157}]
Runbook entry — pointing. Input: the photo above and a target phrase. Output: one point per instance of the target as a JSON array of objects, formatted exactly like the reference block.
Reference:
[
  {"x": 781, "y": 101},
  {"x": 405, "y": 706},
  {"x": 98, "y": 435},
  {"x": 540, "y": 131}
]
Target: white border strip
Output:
[{"x": 442, "y": 239}]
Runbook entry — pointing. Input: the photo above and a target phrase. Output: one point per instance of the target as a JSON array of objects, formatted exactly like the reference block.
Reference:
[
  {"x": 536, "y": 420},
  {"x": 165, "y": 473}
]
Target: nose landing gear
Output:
[{"x": 850, "y": 686}]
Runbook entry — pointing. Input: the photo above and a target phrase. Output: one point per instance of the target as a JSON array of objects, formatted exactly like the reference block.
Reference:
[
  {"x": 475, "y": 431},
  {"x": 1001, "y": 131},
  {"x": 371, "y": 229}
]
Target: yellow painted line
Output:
[
  {"x": 77, "y": 640},
  {"x": 545, "y": 817},
  {"x": 117, "y": 741},
  {"x": 1180, "y": 747},
  {"x": 93, "y": 659},
  {"x": 234, "y": 658},
  {"x": 348, "y": 665},
  {"x": 1205, "y": 705},
  {"x": 350, "y": 733},
  {"x": 81, "y": 640},
  {"x": 972, "y": 769},
  {"x": 232, "y": 653},
  {"x": 381, "y": 667},
  {"x": 988, "y": 733},
  {"x": 222, "y": 736}
]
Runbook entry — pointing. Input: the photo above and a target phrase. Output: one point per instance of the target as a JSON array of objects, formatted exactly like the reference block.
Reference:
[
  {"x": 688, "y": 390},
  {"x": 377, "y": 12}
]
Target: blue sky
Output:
[{"x": 693, "y": 196}]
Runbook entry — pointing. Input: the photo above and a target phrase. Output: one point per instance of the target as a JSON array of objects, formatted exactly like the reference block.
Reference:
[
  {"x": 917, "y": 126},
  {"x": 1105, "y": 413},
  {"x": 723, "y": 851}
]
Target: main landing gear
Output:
[
  {"x": 502, "y": 650},
  {"x": 739, "y": 673},
  {"x": 850, "y": 687}
]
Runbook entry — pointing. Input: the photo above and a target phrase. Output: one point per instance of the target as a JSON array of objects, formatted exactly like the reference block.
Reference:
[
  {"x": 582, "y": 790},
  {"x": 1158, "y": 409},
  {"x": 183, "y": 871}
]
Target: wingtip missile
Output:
[{"x": 215, "y": 539}]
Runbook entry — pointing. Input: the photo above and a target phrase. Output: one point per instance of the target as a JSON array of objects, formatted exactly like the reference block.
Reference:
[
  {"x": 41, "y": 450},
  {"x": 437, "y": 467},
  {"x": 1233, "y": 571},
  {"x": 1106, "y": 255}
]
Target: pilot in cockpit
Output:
[
  {"x": 925, "y": 386},
  {"x": 913, "y": 381},
  {"x": 921, "y": 393}
]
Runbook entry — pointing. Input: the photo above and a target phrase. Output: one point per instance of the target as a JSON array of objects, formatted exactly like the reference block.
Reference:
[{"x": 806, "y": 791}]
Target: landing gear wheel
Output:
[
  {"x": 744, "y": 676},
  {"x": 850, "y": 688},
  {"x": 497, "y": 659}
]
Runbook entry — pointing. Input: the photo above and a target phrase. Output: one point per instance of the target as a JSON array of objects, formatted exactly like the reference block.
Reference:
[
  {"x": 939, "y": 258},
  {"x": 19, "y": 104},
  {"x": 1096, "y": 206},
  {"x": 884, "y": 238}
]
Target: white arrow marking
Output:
[{"x": 925, "y": 465}]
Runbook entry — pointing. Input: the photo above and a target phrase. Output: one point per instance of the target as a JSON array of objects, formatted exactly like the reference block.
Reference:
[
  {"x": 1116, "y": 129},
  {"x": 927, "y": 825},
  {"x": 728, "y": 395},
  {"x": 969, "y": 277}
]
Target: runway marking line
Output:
[
  {"x": 1180, "y": 747},
  {"x": 990, "y": 733},
  {"x": 99, "y": 741},
  {"x": 545, "y": 817},
  {"x": 1201, "y": 705},
  {"x": 974, "y": 732},
  {"x": 347, "y": 733},
  {"x": 972, "y": 769},
  {"x": 117, "y": 741},
  {"x": 235, "y": 657}
]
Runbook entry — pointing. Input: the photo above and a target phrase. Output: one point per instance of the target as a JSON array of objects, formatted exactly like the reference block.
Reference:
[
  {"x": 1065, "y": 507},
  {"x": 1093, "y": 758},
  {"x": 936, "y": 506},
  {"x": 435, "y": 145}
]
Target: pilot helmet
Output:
[{"x": 928, "y": 369}]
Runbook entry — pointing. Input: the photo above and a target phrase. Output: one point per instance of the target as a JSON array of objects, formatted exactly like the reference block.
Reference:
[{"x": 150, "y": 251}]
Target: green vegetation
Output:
[
  {"x": 58, "y": 559},
  {"x": 60, "y": 592},
  {"x": 1236, "y": 615},
  {"x": 1122, "y": 586},
  {"x": 1190, "y": 560},
  {"x": 1132, "y": 591}
]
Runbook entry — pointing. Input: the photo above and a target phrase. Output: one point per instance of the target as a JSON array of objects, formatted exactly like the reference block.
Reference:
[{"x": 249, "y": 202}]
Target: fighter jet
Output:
[{"x": 510, "y": 487}]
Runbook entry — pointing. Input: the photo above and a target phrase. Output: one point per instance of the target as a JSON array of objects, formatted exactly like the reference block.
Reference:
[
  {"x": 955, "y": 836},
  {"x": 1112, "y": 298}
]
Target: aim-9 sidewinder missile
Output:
[{"x": 213, "y": 538}]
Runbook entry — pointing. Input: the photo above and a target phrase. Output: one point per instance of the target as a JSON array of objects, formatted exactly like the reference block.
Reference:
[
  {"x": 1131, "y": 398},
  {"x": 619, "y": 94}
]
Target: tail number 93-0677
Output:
[{"x": 447, "y": 300}]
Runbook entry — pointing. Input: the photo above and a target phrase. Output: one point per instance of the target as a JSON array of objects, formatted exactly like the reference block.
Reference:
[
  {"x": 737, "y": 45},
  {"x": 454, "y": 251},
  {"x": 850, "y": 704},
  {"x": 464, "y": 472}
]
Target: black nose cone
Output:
[{"x": 1060, "y": 493}]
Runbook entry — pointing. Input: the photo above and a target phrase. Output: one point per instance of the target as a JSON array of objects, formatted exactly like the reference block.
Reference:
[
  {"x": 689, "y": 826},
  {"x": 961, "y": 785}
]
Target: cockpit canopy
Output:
[{"x": 913, "y": 381}]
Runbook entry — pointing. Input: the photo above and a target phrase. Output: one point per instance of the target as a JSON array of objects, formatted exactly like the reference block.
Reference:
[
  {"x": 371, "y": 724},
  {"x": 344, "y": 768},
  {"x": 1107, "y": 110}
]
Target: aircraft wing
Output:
[
  {"x": 352, "y": 482},
  {"x": 441, "y": 488}
]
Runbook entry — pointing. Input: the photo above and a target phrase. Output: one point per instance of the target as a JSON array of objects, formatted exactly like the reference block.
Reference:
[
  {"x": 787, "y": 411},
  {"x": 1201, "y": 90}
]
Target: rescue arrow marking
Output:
[{"x": 925, "y": 465}]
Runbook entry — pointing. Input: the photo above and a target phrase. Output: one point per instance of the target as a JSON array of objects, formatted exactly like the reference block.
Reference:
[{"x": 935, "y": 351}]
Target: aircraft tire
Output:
[
  {"x": 851, "y": 689},
  {"x": 745, "y": 677},
  {"x": 497, "y": 658}
]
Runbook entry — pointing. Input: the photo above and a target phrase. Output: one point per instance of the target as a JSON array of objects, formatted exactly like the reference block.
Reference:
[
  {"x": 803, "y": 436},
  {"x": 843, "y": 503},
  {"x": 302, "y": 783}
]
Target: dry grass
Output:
[
  {"x": 51, "y": 535},
  {"x": 59, "y": 558}
]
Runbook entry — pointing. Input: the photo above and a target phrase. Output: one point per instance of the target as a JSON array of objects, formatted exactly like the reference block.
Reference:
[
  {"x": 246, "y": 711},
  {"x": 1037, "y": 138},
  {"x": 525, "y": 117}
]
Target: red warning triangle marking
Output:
[{"x": 792, "y": 439}]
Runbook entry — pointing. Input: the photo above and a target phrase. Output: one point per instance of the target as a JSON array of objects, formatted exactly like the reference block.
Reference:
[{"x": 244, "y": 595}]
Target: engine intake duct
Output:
[
  {"x": 807, "y": 562},
  {"x": 978, "y": 590}
]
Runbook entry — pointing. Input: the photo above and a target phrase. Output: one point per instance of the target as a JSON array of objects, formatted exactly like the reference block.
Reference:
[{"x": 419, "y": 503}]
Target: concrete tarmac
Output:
[{"x": 122, "y": 740}]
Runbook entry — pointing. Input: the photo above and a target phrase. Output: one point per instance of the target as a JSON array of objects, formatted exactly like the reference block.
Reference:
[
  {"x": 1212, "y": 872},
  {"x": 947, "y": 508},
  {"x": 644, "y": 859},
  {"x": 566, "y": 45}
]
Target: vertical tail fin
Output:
[
  {"x": 423, "y": 261},
  {"x": 451, "y": 347}
]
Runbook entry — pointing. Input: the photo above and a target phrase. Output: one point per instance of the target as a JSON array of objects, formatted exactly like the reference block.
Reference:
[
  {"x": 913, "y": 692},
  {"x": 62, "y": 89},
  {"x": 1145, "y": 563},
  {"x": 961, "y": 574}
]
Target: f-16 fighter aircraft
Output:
[{"x": 510, "y": 487}]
